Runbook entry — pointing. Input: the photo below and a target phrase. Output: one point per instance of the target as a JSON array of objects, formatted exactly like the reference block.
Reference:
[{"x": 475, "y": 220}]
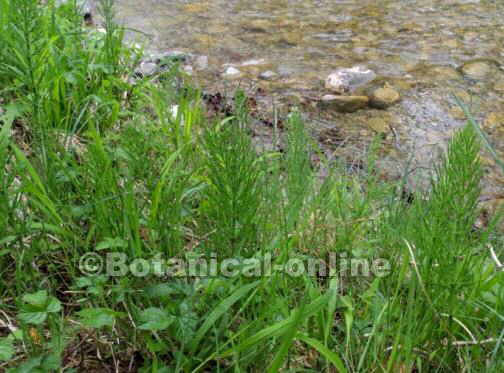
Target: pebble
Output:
[
  {"x": 347, "y": 80},
  {"x": 261, "y": 61},
  {"x": 343, "y": 104},
  {"x": 201, "y": 63},
  {"x": 494, "y": 120},
  {"x": 268, "y": 75},
  {"x": 499, "y": 86},
  {"x": 457, "y": 113},
  {"x": 231, "y": 72},
  {"x": 147, "y": 69},
  {"x": 379, "y": 125},
  {"x": 476, "y": 70},
  {"x": 188, "y": 69},
  {"x": 383, "y": 98}
]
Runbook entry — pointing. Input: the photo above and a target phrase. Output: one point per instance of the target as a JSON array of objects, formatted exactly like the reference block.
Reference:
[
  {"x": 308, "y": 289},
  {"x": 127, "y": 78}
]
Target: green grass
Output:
[{"x": 93, "y": 162}]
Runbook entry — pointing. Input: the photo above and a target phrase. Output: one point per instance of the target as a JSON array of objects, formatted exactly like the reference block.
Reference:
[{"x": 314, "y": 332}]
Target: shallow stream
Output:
[{"x": 427, "y": 50}]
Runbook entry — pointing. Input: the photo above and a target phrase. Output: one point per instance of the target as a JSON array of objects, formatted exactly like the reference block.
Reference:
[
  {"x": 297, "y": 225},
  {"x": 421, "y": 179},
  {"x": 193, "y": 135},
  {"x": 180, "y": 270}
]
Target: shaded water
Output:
[{"x": 416, "y": 46}]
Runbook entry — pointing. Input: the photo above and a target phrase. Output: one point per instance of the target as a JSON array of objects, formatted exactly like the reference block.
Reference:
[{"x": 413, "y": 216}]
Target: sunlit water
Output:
[{"x": 417, "y": 46}]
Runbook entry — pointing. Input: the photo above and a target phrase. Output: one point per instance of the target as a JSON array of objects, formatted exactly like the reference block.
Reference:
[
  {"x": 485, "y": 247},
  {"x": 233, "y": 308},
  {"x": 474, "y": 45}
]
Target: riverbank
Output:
[{"x": 147, "y": 226}]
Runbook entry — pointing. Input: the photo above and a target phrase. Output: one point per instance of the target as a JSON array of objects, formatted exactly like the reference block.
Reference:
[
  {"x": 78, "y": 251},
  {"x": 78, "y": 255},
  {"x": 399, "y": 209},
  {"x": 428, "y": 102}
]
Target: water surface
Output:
[{"x": 416, "y": 46}]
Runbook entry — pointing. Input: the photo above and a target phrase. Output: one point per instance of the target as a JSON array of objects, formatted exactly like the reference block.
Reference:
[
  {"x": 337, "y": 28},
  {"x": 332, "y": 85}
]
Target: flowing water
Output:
[{"x": 418, "y": 47}]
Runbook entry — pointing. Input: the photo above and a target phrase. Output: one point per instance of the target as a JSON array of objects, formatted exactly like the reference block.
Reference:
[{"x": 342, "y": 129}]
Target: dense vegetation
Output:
[{"x": 93, "y": 160}]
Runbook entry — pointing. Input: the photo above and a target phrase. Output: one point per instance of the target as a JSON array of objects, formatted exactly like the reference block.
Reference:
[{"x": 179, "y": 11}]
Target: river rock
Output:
[
  {"x": 347, "y": 80},
  {"x": 457, "y": 113},
  {"x": 170, "y": 56},
  {"x": 260, "y": 61},
  {"x": 379, "y": 125},
  {"x": 499, "y": 86},
  {"x": 258, "y": 26},
  {"x": 476, "y": 70},
  {"x": 147, "y": 69},
  {"x": 268, "y": 75},
  {"x": 188, "y": 69},
  {"x": 201, "y": 63},
  {"x": 494, "y": 120},
  {"x": 231, "y": 73},
  {"x": 383, "y": 98},
  {"x": 343, "y": 104}
]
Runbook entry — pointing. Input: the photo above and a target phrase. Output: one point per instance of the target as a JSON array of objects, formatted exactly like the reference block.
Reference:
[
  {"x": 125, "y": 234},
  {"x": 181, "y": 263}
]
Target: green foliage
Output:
[
  {"x": 113, "y": 165},
  {"x": 37, "y": 306}
]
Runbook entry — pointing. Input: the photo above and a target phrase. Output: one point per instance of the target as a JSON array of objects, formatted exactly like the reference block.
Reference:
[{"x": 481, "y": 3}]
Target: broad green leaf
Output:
[
  {"x": 32, "y": 316},
  {"x": 155, "y": 319},
  {"x": 36, "y": 299},
  {"x": 37, "y": 306},
  {"x": 98, "y": 317}
]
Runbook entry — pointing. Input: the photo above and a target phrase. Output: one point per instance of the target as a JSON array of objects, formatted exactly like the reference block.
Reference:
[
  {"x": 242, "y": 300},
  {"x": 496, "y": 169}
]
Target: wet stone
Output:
[
  {"x": 476, "y": 70},
  {"x": 348, "y": 80},
  {"x": 457, "y": 113},
  {"x": 494, "y": 120},
  {"x": 268, "y": 75},
  {"x": 343, "y": 104},
  {"x": 378, "y": 125},
  {"x": 382, "y": 98},
  {"x": 499, "y": 86},
  {"x": 231, "y": 73},
  {"x": 201, "y": 63},
  {"x": 147, "y": 69}
]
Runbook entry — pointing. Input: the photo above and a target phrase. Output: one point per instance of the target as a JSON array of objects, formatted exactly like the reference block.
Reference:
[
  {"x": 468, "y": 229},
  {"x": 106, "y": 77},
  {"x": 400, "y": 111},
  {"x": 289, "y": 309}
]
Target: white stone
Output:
[
  {"x": 232, "y": 72},
  {"x": 201, "y": 62},
  {"x": 347, "y": 80},
  {"x": 260, "y": 61},
  {"x": 268, "y": 75}
]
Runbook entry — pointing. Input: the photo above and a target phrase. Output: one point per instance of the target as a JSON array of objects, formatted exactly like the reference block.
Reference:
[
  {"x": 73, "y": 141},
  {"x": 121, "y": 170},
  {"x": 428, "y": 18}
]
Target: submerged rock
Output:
[
  {"x": 499, "y": 86},
  {"x": 147, "y": 69},
  {"x": 201, "y": 63},
  {"x": 343, "y": 104},
  {"x": 457, "y": 113},
  {"x": 170, "y": 56},
  {"x": 347, "y": 80},
  {"x": 383, "y": 98},
  {"x": 268, "y": 75},
  {"x": 494, "y": 120},
  {"x": 188, "y": 69},
  {"x": 379, "y": 125},
  {"x": 231, "y": 73},
  {"x": 260, "y": 61},
  {"x": 476, "y": 70}
]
